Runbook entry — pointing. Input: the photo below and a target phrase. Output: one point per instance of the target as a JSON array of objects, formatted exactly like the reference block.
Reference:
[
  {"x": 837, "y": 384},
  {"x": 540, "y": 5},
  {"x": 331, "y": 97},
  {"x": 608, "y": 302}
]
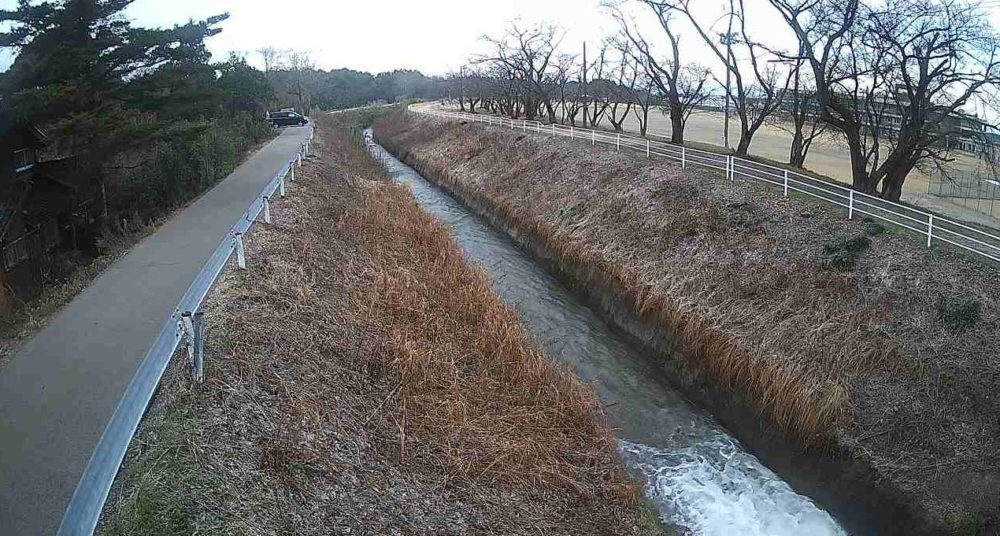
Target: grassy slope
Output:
[
  {"x": 842, "y": 333},
  {"x": 361, "y": 376}
]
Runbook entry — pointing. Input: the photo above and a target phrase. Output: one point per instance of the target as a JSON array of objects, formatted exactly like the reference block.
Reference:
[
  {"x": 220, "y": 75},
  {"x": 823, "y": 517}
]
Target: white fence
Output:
[{"x": 930, "y": 227}]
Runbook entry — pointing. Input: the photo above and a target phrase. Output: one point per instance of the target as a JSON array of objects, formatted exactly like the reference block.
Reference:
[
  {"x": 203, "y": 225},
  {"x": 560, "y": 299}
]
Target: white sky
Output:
[{"x": 433, "y": 36}]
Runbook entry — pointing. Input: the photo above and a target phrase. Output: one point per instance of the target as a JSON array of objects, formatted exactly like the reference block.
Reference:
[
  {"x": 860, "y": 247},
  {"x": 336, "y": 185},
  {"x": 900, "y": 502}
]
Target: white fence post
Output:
[
  {"x": 930, "y": 229},
  {"x": 524, "y": 125},
  {"x": 786, "y": 183},
  {"x": 281, "y": 186},
  {"x": 553, "y": 130},
  {"x": 647, "y": 147},
  {"x": 683, "y": 157},
  {"x": 539, "y": 126},
  {"x": 731, "y": 168},
  {"x": 850, "y": 206},
  {"x": 291, "y": 169},
  {"x": 267, "y": 209},
  {"x": 618, "y": 143},
  {"x": 593, "y": 137},
  {"x": 572, "y": 135}
]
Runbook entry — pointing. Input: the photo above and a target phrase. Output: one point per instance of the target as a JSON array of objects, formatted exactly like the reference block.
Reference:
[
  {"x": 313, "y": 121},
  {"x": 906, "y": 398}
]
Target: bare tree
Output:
[
  {"x": 272, "y": 58},
  {"x": 803, "y": 112},
  {"x": 563, "y": 80},
  {"x": 595, "y": 101},
  {"x": 682, "y": 88},
  {"x": 621, "y": 96},
  {"x": 754, "y": 100},
  {"x": 528, "y": 56},
  {"x": 644, "y": 96},
  {"x": 299, "y": 63},
  {"x": 894, "y": 80}
]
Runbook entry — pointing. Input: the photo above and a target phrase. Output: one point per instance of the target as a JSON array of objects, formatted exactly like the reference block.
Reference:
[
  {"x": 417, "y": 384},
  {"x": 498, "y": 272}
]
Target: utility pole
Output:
[
  {"x": 586, "y": 106},
  {"x": 729, "y": 57}
]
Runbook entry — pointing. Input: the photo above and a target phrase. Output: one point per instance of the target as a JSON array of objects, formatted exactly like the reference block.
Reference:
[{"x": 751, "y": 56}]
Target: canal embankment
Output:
[
  {"x": 363, "y": 378},
  {"x": 792, "y": 324}
]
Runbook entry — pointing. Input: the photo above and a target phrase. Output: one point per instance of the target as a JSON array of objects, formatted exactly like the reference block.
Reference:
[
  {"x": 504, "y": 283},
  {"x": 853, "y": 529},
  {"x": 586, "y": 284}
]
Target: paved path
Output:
[{"x": 59, "y": 390}]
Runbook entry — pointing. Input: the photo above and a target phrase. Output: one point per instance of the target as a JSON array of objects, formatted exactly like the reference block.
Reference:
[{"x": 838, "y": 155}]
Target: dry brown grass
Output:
[
  {"x": 363, "y": 377},
  {"x": 854, "y": 360}
]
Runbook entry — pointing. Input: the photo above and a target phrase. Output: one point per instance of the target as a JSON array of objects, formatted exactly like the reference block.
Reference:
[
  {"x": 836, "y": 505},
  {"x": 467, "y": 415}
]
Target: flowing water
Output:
[{"x": 700, "y": 478}]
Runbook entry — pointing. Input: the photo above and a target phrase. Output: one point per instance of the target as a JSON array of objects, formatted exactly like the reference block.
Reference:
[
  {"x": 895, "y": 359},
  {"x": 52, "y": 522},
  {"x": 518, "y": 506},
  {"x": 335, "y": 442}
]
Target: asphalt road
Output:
[{"x": 58, "y": 391}]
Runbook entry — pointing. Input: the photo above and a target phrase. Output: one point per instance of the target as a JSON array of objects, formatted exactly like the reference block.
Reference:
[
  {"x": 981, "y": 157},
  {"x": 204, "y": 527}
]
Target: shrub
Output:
[
  {"x": 842, "y": 254},
  {"x": 874, "y": 228},
  {"x": 959, "y": 315}
]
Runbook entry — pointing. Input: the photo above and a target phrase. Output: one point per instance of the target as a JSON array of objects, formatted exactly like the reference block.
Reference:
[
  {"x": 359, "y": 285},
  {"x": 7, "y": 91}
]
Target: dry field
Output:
[
  {"x": 362, "y": 378},
  {"x": 841, "y": 333}
]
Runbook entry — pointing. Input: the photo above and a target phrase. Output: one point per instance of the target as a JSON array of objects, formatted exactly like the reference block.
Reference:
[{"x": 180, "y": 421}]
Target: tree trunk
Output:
[
  {"x": 676, "y": 124},
  {"x": 743, "y": 148},
  {"x": 860, "y": 179},
  {"x": 797, "y": 153}
]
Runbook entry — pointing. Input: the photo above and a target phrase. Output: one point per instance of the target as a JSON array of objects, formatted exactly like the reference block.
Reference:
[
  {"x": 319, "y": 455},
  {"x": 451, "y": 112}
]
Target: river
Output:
[{"x": 699, "y": 477}]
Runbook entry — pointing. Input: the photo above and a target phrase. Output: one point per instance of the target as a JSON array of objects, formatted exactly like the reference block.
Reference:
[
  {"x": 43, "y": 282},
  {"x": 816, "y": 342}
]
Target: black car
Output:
[{"x": 285, "y": 119}]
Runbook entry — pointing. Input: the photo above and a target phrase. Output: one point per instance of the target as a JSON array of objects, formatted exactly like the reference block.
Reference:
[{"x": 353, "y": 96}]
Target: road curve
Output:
[{"x": 58, "y": 391}]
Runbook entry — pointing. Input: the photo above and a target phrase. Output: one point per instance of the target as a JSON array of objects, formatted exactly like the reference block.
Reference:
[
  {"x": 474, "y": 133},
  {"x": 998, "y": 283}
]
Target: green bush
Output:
[
  {"x": 842, "y": 254},
  {"x": 959, "y": 315},
  {"x": 189, "y": 160}
]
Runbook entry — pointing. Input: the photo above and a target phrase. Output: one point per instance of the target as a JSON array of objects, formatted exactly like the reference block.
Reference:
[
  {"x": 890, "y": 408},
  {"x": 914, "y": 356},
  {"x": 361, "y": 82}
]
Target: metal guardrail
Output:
[
  {"x": 84, "y": 510},
  {"x": 929, "y": 226}
]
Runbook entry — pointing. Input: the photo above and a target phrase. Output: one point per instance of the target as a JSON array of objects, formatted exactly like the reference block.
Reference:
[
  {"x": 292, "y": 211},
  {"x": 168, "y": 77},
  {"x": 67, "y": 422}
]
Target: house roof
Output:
[{"x": 9, "y": 127}]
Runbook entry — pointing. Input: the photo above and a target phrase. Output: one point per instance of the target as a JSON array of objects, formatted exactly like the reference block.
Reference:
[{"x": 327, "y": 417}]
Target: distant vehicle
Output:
[{"x": 286, "y": 118}]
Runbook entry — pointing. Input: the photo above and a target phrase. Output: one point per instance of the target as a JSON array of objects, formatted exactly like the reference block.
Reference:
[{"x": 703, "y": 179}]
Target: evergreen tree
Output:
[{"x": 97, "y": 83}]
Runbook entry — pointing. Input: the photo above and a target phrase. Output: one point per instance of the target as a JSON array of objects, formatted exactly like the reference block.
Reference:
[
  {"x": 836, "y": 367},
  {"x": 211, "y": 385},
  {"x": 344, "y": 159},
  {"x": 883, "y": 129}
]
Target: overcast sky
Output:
[{"x": 433, "y": 36}]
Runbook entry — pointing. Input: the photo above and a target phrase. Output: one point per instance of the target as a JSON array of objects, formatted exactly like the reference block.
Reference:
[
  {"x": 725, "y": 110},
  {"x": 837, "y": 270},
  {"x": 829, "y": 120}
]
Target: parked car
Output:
[{"x": 286, "y": 118}]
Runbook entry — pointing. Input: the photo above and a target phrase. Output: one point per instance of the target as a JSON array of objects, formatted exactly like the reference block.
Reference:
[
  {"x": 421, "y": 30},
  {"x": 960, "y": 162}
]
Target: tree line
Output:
[
  {"x": 891, "y": 79},
  {"x": 143, "y": 117}
]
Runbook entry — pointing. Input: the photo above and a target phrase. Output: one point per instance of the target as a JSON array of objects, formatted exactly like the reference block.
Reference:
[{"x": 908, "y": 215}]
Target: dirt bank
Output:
[
  {"x": 844, "y": 335},
  {"x": 363, "y": 379}
]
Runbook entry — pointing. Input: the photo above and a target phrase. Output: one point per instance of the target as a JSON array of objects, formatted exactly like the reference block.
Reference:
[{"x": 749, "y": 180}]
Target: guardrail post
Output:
[
  {"x": 647, "y": 147},
  {"x": 192, "y": 326},
  {"x": 524, "y": 125},
  {"x": 538, "y": 125},
  {"x": 553, "y": 130},
  {"x": 618, "y": 142},
  {"x": 291, "y": 169},
  {"x": 930, "y": 229},
  {"x": 199, "y": 346},
  {"x": 572, "y": 135},
  {"x": 684, "y": 154},
  {"x": 731, "y": 168},
  {"x": 593, "y": 137},
  {"x": 267, "y": 209},
  {"x": 241, "y": 259},
  {"x": 850, "y": 206},
  {"x": 786, "y": 183},
  {"x": 281, "y": 186}
]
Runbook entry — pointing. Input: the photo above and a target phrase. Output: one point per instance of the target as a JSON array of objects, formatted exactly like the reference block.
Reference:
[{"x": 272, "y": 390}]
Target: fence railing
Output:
[
  {"x": 183, "y": 325},
  {"x": 967, "y": 188},
  {"x": 930, "y": 227},
  {"x": 30, "y": 246}
]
